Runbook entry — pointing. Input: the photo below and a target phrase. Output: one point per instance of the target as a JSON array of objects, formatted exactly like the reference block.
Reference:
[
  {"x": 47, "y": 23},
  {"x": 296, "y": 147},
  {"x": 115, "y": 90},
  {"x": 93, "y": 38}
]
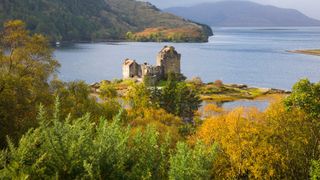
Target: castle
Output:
[{"x": 168, "y": 61}]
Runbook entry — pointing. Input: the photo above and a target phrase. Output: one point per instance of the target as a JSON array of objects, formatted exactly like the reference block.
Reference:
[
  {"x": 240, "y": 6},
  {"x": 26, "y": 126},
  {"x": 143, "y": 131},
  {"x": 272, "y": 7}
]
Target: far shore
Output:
[{"x": 315, "y": 52}]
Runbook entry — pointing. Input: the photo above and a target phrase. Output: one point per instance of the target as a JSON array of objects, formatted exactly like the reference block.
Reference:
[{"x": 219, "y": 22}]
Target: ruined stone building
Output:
[{"x": 168, "y": 61}]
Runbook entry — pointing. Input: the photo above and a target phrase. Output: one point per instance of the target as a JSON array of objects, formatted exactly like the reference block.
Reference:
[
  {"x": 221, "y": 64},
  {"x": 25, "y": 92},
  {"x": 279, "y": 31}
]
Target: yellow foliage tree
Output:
[
  {"x": 165, "y": 123},
  {"x": 245, "y": 151}
]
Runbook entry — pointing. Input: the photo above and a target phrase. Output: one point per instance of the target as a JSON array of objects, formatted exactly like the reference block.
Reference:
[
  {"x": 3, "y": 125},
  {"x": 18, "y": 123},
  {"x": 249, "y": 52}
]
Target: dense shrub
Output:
[{"x": 78, "y": 148}]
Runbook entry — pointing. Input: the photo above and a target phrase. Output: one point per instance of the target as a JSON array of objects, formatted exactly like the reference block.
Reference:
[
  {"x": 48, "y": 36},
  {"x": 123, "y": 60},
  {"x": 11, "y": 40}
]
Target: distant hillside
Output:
[
  {"x": 243, "y": 14},
  {"x": 84, "y": 20}
]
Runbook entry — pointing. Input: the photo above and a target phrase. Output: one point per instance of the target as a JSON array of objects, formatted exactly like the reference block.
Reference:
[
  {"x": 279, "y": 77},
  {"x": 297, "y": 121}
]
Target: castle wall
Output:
[
  {"x": 131, "y": 69},
  {"x": 148, "y": 70},
  {"x": 170, "y": 60}
]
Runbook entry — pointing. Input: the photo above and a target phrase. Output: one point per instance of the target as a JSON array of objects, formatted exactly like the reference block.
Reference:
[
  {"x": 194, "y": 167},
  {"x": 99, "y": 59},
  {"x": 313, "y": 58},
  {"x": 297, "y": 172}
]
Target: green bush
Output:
[
  {"x": 189, "y": 163},
  {"x": 80, "y": 149},
  {"x": 315, "y": 170}
]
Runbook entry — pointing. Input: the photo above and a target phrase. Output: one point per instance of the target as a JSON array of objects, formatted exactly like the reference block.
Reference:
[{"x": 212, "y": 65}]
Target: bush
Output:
[
  {"x": 79, "y": 149},
  {"x": 218, "y": 83}
]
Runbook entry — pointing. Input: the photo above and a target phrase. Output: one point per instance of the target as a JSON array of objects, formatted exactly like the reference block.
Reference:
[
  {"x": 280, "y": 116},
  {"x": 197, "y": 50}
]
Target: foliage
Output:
[
  {"x": 76, "y": 100},
  {"x": 163, "y": 122},
  {"x": 179, "y": 99},
  {"x": 315, "y": 170},
  {"x": 79, "y": 149},
  {"x": 26, "y": 63},
  {"x": 189, "y": 163},
  {"x": 107, "y": 91},
  {"x": 218, "y": 83},
  {"x": 305, "y": 96},
  {"x": 210, "y": 110},
  {"x": 245, "y": 151},
  {"x": 162, "y": 34},
  {"x": 139, "y": 96},
  {"x": 262, "y": 145}
]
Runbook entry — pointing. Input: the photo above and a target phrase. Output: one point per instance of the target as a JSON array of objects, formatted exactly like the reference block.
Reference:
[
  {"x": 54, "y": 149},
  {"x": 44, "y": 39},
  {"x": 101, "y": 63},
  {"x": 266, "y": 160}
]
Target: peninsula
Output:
[
  {"x": 315, "y": 52},
  {"x": 102, "y": 20}
]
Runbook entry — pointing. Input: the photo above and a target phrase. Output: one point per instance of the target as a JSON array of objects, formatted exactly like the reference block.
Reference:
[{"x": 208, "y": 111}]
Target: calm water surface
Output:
[{"x": 253, "y": 56}]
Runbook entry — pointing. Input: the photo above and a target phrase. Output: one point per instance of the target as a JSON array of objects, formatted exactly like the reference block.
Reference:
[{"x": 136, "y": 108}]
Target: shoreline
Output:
[
  {"x": 220, "y": 93},
  {"x": 314, "y": 52}
]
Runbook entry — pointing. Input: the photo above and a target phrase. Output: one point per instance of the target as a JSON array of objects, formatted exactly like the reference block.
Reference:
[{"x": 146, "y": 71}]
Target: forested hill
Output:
[{"x": 95, "y": 20}]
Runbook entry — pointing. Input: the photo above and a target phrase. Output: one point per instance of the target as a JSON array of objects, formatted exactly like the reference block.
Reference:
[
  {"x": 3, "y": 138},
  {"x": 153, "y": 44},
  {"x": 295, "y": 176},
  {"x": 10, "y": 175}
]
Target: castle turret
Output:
[{"x": 169, "y": 60}]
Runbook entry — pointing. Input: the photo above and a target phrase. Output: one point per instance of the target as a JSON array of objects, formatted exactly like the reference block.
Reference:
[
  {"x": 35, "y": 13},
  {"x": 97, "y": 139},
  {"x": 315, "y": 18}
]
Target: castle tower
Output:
[
  {"x": 131, "y": 69},
  {"x": 169, "y": 60}
]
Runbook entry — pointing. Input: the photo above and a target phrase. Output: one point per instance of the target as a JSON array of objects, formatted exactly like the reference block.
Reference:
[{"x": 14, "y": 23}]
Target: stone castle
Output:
[{"x": 168, "y": 61}]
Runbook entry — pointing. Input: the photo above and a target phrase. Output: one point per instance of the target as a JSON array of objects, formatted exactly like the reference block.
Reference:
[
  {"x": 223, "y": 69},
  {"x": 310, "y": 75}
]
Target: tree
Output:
[
  {"x": 162, "y": 121},
  {"x": 179, "y": 99},
  {"x": 192, "y": 163},
  {"x": 315, "y": 170},
  {"x": 305, "y": 96},
  {"x": 76, "y": 101},
  {"x": 107, "y": 91},
  {"x": 79, "y": 149},
  {"x": 139, "y": 96},
  {"x": 244, "y": 147},
  {"x": 26, "y": 63}
]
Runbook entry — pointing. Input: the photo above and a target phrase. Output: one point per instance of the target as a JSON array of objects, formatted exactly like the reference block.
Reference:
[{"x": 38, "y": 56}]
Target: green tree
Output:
[
  {"x": 138, "y": 96},
  {"x": 107, "y": 91},
  {"x": 26, "y": 63},
  {"x": 315, "y": 170},
  {"x": 188, "y": 163},
  {"x": 79, "y": 149},
  {"x": 76, "y": 100},
  {"x": 179, "y": 99},
  {"x": 305, "y": 96}
]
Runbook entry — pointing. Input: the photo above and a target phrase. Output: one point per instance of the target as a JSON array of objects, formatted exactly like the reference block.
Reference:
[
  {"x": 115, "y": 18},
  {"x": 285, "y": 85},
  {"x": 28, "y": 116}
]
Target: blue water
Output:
[{"x": 253, "y": 56}]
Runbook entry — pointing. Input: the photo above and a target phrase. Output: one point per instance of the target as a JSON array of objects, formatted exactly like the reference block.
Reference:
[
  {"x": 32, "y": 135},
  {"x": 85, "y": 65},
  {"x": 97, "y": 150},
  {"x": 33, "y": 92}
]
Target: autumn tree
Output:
[
  {"x": 162, "y": 121},
  {"x": 305, "y": 97},
  {"x": 26, "y": 63},
  {"x": 139, "y": 96},
  {"x": 244, "y": 147}
]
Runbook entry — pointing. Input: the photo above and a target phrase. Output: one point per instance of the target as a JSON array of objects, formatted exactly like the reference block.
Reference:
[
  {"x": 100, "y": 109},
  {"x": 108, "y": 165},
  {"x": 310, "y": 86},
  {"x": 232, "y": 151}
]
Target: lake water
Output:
[{"x": 253, "y": 56}]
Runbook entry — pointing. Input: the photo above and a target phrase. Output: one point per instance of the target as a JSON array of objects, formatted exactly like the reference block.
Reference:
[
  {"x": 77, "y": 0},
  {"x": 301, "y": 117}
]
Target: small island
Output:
[
  {"x": 315, "y": 52},
  {"x": 168, "y": 62}
]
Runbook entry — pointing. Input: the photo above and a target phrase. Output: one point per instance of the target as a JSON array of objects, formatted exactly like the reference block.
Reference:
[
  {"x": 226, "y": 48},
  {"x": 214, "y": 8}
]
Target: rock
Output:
[
  {"x": 240, "y": 86},
  {"x": 278, "y": 91}
]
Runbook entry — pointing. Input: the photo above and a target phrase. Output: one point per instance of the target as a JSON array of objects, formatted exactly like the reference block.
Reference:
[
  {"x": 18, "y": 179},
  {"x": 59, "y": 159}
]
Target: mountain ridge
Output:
[
  {"x": 242, "y": 13},
  {"x": 95, "y": 20}
]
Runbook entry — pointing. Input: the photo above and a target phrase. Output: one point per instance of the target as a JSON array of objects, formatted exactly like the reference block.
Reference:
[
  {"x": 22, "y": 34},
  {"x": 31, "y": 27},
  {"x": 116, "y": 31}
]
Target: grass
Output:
[
  {"x": 228, "y": 93},
  {"x": 211, "y": 91}
]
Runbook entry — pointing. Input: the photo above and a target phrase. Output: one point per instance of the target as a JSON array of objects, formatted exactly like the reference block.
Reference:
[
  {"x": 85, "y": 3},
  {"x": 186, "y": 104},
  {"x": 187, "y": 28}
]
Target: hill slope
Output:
[
  {"x": 83, "y": 20},
  {"x": 243, "y": 13}
]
